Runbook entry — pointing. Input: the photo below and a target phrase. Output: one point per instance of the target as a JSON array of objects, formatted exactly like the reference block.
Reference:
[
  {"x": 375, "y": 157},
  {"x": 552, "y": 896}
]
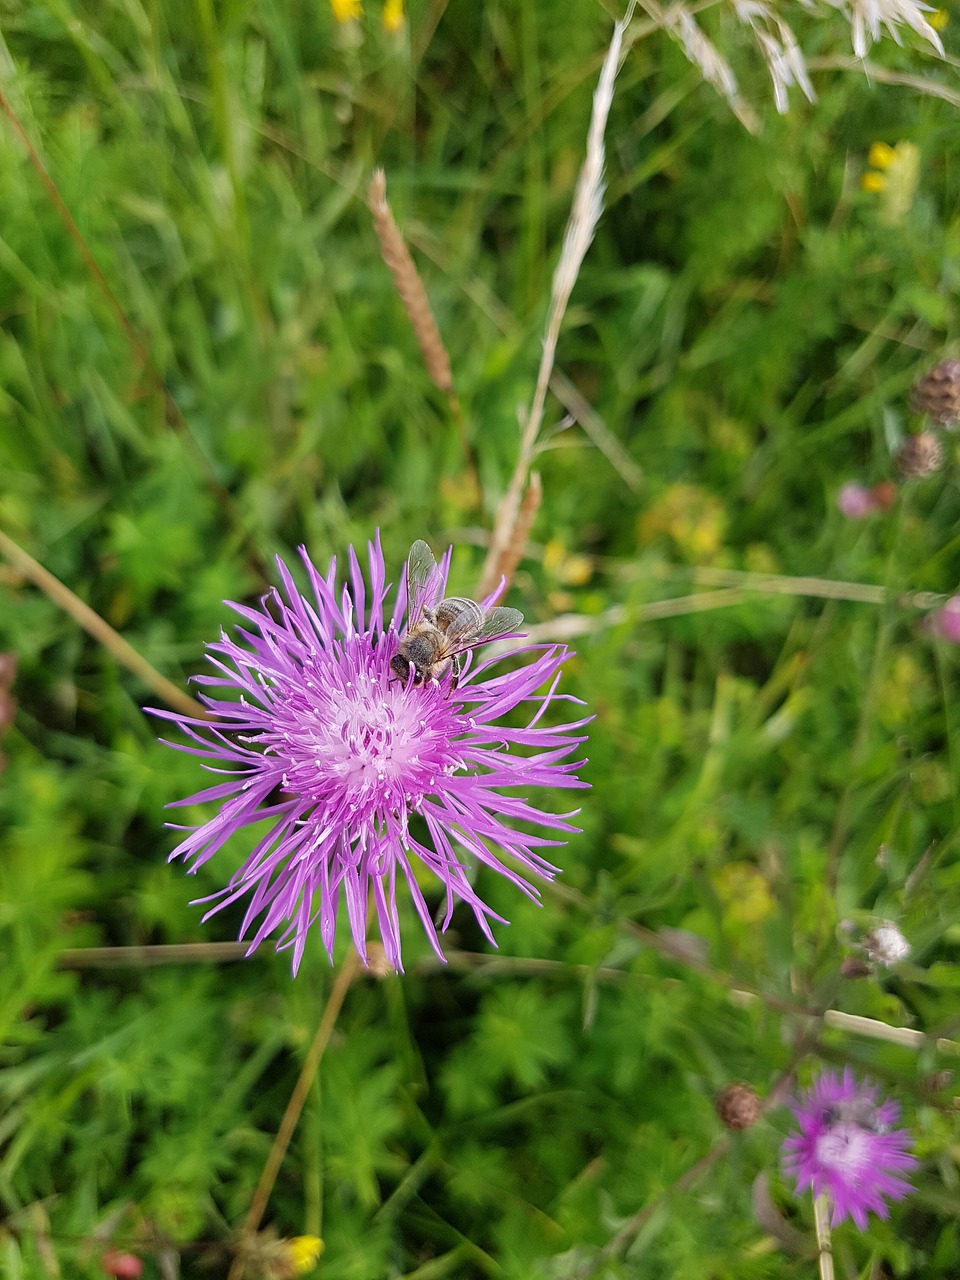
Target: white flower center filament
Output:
[{"x": 846, "y": 1148}]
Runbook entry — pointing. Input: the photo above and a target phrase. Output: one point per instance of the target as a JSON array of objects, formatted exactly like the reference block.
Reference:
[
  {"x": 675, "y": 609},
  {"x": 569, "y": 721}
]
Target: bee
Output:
[
  {"x": 438, "y": 633},
  {"x": 858, "y": 1111}
]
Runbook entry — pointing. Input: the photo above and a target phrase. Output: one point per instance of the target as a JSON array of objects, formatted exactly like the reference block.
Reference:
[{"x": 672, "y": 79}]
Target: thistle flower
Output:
[
  {"x": 363, "y": 776},
  {"x": 847, "y": 1148}
]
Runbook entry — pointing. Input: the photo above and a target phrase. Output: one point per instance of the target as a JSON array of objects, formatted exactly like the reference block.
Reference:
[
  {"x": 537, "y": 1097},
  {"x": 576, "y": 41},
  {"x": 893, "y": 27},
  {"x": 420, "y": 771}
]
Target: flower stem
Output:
[
  {"x": 821, "y": 1219},
  {"x": 295, "y": 1106},
  {"x": 95, "y": 626}
]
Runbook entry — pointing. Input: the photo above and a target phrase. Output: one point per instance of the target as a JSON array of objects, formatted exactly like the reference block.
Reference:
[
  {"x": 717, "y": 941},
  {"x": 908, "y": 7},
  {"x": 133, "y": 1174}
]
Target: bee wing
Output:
[
  {"x": 464, "y": 632},
  {"x": 424, "y": 581}
]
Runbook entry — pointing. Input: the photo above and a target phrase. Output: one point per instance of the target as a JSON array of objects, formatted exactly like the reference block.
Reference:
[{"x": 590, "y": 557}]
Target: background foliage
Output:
[{"x": 747, "y": 323}]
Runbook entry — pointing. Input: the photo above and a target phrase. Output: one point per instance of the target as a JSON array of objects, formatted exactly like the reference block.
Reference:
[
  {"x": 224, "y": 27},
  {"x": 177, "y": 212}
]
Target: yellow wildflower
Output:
[
  {"x": 881, "y": 155},
  {"x": 393, "y": 15},
  {"x": 873, "y": 181},
  {"x": 304, "y": 1251},
  {"x": 938, "y": 19},
  {"x": 346, "y": 10}
]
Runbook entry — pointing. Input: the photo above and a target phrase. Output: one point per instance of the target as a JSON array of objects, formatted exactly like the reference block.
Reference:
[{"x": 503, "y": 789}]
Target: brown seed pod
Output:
[
  {"x": 920, "y": 455},
  {"x": 937, "y": 394},
  {"x": 738, "y": 1105}
]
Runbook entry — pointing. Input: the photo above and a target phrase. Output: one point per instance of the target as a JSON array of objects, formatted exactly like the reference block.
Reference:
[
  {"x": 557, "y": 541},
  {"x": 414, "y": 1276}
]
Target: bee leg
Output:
[{"x": 454, "y": 673}]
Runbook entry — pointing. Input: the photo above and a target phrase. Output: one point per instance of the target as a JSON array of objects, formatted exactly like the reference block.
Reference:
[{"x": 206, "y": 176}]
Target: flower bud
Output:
[
  {"x": 855, "y": 501},
  {"x": 125, "y": 1266},
  {"x": 920, "y": 455},
  {"x": 737, "y": 1105},
  {"x": 886, "y": 945},
  {"x": 945, "y": 622},
  {"x": 937, "y": 394}
]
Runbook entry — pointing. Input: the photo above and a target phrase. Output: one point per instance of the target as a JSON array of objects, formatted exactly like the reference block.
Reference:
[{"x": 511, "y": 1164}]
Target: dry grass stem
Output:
[
  {"x": 95, "y": 626},
  {"x": 743, "y": 587},
  {"x": 858, "y": 1025},
  {"x": 581, "y": 225},
  {"x": 821, "y": 1218},
  {"x": 513, "y": 553},
  {"x": 148, "y": 957},
  {"x": 569, "y": 397},
  {"x": 338, "y": 992},
  {"x": 706, "y": 57},
  {"x": 409, "y": 286},
  {"x": 886, "y": 75}
]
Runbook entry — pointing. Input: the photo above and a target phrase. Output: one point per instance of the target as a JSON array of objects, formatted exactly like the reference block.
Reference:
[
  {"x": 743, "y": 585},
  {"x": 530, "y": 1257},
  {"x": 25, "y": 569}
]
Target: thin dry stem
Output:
[
  {"x": 312, "y": 1061},
  {"x": 568, "y": 626},
  {"x": 409, "y": 286},
  {"x": 413, "y": 295},
  {"x": 581, "y": 225},
  {"x": 886, "y": 75},
  {"x": 821, "y": 1218},
  {"x": 576, "y": 405},
  {"x": 148, "y": 957},
  {"x": 909, "y": 1038},
  {"x": 95, "y": 626},
  {"x": 513, "y": 553}
]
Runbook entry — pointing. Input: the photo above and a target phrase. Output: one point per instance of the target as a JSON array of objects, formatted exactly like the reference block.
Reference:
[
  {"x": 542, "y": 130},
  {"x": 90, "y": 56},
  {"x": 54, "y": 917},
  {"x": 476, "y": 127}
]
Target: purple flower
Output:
[
  {"x": 855, "y": 501},
  {"x": 847, "y": 1147},
  {"x": 945, "y": 622},
  {"x": 337, "y": 754}
]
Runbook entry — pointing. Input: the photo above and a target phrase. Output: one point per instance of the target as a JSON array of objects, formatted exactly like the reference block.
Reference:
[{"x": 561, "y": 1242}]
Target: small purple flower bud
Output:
[
  {"x": 945, "y": 623},
  {"x": 855, "y": 501}
]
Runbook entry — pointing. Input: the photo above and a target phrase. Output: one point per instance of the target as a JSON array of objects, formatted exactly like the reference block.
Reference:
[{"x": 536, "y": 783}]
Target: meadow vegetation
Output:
[{"x": 204, "y": 363}]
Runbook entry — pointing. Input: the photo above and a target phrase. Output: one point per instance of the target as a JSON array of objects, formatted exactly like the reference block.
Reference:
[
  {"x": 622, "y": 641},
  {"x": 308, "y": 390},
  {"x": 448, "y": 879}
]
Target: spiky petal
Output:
[
  {"x": 847, "y": 1147},
  {"x": 318, "y": 738}
]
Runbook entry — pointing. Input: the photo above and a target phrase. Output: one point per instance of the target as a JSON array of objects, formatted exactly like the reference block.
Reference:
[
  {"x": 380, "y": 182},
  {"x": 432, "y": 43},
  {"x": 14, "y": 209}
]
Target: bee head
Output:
[{"x": 400, "y": 667}]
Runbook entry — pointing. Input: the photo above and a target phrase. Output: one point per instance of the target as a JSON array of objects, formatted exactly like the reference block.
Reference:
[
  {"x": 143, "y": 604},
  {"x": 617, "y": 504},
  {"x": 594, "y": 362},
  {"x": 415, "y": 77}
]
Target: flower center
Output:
[
  {"x": 845, "y": 1148},
  {"x": 361, "y": 745}
]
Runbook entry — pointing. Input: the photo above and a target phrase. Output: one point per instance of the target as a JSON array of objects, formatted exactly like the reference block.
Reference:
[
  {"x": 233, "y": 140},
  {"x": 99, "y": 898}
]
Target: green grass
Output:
[{"x": 747, "y": 324}]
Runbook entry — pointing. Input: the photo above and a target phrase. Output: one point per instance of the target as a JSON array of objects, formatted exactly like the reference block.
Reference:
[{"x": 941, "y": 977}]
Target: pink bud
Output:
[
  {"x": 855, "y": 501},
  {"x": 945, "y": 623},
  {"x": 125, "y": 1266}
]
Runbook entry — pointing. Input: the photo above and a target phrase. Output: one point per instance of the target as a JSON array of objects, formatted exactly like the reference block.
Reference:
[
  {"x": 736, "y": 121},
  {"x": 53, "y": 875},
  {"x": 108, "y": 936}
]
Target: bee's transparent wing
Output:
[
  {"x": 500, "y": 622},
  {"x": 424, "y": 581},
  {"x": 466, "y": 632}
]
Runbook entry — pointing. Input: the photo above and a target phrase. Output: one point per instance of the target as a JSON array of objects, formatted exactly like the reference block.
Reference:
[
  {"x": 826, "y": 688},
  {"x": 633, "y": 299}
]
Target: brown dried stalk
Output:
[
  {"x": 95, "y": 626},
  {"x": 581, "y": 224},
  {"x": 412, "y": 294},
  {"x": 512, "y": 554},
  {"x": 409, "y": 285},
  {"x": 341, "y": 985}
]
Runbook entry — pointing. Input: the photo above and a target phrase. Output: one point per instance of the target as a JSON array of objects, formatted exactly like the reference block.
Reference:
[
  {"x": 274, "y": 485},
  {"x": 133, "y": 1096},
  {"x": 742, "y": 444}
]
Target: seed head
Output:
[
  {"x": 937, "y": 394},
  {"x": 738, "y": 1106},
  {"x": 886, "y": 945},
  {"x": 920, "y": 455}
]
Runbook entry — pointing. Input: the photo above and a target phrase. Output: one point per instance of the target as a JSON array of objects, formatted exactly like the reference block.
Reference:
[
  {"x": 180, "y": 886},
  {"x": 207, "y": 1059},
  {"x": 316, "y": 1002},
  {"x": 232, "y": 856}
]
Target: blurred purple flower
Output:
[
  {"x": 847, "y": 1147},
  {"x": 945, "y": 622},
  {"x": 855, "y": 501},
  {"x": 336, "y": 754}
]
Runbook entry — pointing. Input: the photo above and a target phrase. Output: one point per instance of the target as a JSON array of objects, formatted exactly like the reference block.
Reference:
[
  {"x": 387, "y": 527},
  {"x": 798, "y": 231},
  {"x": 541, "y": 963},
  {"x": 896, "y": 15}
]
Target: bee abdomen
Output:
[{"x": 459, "y": 612}]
